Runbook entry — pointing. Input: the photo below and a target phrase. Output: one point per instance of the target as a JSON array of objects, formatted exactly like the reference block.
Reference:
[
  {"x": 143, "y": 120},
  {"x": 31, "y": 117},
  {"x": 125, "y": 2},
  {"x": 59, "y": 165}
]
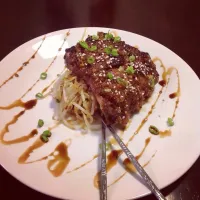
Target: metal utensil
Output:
[
  {"x": 151, "y": 185},
  {"x": 103, "y": 177}
]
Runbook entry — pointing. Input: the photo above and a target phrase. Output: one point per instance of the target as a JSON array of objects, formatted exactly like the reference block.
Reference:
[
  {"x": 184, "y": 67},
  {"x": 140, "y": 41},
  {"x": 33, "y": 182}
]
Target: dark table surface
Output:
[{"x": 173, "y": 23}]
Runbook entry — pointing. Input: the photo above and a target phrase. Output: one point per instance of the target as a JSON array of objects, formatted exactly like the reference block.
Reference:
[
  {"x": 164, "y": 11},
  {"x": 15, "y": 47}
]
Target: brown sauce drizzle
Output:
[
  {"x": 112, "y": 160},
  {"x": 165, "y": 133},
  {"x": 19, "y": 103},
  {"x": 82, "y": 165},
  {"x": 127, "y": 163},
  {"x": 129, "y": 170},
  {"x": 67, "y": 34},
  {"x": 22, "y": 139},
  {"x": 164, "y": 76},
  {"x": 173, "y": 95},
  {"x": 24, "y": 64},
  {"x": 162, "y": 82},
  {"x": 6, "y": 127},
  {"x": 61, "y": 159},
  {"x": 27, "y": 105},
  {"x": 146, "y": 118},
  {"x": 37, "y": 144}
]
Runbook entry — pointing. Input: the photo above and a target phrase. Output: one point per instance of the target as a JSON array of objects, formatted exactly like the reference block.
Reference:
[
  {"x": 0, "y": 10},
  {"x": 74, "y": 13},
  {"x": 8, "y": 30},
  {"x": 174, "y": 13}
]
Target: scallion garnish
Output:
[
  {"x": 130, "y": 70},
  {"x": 47, "y": 133},
  {"x": 44, "y": 138},
  {"x": 107, "y": 50},
  {"x": 121, "y": 81},
  {"x": 117, "y": 39},
  {"x": 108, "y": 36},
  {"x": 95, "y": 37},
  {"x": 170, "y": 122},
  {"x": 151, "y": 81},
  {"x": 39, "y": 95},
  {"x": 43, "y": 75},
  {"x": 153, "y": 130},
  {"x": 114, "y": 52},
  {"x": 84, "y": 44},
  {"x": 40, "y": 123},
  {"x": 90, "y": 59},
  {"x": 132, "y": 58},
  {"x": 93, "y": 48},
  {"x": 110, "y": 75}
]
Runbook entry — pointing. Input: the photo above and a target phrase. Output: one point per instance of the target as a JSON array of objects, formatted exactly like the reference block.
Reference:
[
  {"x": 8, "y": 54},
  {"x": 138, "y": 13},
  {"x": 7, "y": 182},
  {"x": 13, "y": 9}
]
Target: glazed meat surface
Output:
[{"x": 120, "y": 76}]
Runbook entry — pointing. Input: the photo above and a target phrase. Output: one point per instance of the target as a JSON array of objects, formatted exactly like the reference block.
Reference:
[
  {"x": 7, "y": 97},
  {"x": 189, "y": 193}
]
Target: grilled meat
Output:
[{"x": 120, "y": 76}]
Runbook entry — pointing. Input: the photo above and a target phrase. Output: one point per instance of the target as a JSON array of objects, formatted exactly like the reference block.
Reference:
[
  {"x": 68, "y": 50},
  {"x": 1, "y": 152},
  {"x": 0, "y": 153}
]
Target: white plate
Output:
[{"x": 174, "y": 154}]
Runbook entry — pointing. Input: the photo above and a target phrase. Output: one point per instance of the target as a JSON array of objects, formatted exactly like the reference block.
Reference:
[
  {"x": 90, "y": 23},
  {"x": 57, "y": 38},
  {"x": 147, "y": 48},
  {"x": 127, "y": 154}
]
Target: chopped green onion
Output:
[
  {"x": 47, "y": 133},
  {"x": 110, "y": 75},
  {"x": 44, "y": 138},
  {"x": 39, "y": 95},
  {"x": 130, "y": 70},
  {"x": 114, "y": 52},
  {"x": 117, "y": 39},
  {"x": 107, "y": 50},
  {"x": 107, "y": 90},
  {"x": 95, "y": 37},
  {"x": 93, "y": 48},
  {"x": 170, "y": 122},
  {"x": 108, "y": 36},
  {"x": 153, "y": 130},
  {"x": 40, "y": 123},
  {"x": 90, "y": 59},
  {"x": 121, "y": 68},
  {"x": 43, "y": 75},
  {"x": 151, "y": 81},
  {"x": 132, "y": 58},
  {"x": 84, "y": 44},
  {"x": 121, "y": 81}
]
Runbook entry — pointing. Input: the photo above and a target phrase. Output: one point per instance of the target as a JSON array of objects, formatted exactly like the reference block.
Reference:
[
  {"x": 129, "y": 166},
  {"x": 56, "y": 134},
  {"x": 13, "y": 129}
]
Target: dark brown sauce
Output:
[
  {"x": 82, "y": 165},
  {"x": 146, "y": 117},
  {"x": 62, "y": 159},
  {"x": 37, "y": 144},
  {"x": 165, "y": 133},
  {"x": 120, "y": 177},
  {"x": 19, "y": 103},
  {"x": 46, "y": 68},
  {"x": 127, "y": 163},
  {"x": 24, "y": 64},
  {"x": 112, "y": 161},
  {"x": 6, "y": 127},
  {"x": 173, "y": 95},
  {"x": 162, "y": 82},
  {"x": 46, "y": 88},
  {"x": 22, "y": 139}
]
